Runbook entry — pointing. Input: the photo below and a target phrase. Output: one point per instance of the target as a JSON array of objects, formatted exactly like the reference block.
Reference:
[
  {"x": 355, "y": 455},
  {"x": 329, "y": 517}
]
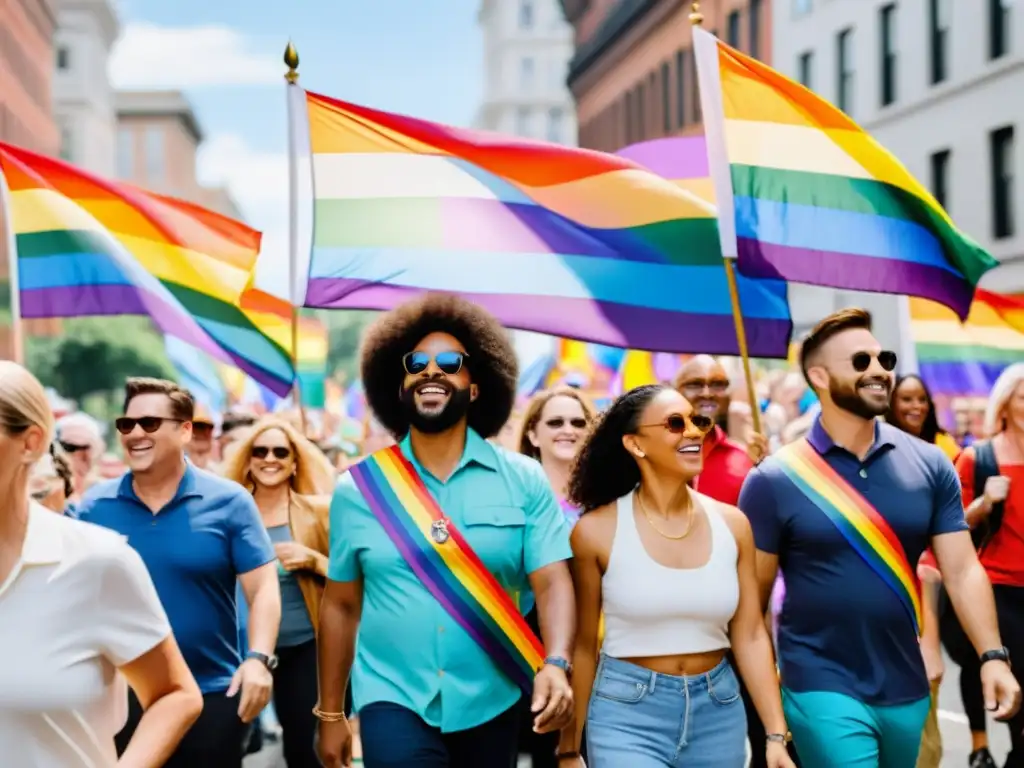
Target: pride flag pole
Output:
[
  {"x": 17, "y": 327},
  {"x": 291, "y": 60},
  {"x": 696, "y": 19}
]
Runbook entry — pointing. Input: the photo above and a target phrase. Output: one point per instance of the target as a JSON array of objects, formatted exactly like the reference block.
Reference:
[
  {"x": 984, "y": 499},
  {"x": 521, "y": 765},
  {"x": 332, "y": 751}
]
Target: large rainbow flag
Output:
[
  {"x": 806, "y": 195},
  {"x": 87, "y": 246},
  {"x": 966, "y": 359},
  {"x": 563, "y": 241}
]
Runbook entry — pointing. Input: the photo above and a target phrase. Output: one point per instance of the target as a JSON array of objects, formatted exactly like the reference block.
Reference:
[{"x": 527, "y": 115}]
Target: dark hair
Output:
[
  {"x": 63, "y": 469},
  {"x": 183, "y": 405},
  {"x": 235, "y": 420},
  {"x": 604, "y": 470},
  {"x": 535, "y": 408},
  {"x": 491, "y": 361},
  {"x": 930, "y": 429},
  {"x": 834, "y": 324}
]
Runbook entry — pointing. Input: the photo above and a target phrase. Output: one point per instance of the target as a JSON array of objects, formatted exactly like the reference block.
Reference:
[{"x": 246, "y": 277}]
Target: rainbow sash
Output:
[
  {"x": 859, "y": 522},
  {"x": 447, "y": 565}
]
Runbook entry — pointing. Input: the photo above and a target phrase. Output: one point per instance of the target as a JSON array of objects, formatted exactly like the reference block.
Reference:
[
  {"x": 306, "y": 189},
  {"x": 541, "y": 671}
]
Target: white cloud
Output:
[{"x": 152, "y": 57}]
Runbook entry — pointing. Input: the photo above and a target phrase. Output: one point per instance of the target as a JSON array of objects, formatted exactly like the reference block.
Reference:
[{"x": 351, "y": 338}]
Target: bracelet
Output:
[{"x": 328, "y": 717}]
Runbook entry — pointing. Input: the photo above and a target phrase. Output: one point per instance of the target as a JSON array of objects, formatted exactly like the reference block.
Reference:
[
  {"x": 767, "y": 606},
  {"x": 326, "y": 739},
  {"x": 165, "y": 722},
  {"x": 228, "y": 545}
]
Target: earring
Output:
[{"x": 640, "y": 454}]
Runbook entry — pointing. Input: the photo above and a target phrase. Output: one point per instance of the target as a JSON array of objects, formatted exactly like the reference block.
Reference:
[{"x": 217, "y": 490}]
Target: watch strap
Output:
[
  {"x": 561, "y": 662},
  {"x": 996, "y": 654},
  {"x": 270, "y": 662}
]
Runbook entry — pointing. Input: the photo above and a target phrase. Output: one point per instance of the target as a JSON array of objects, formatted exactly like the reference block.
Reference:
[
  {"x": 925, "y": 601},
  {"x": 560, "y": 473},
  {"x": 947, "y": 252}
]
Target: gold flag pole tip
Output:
[
  {"x": 291, "y": 60},
  {"x": 696, "y": 17}
]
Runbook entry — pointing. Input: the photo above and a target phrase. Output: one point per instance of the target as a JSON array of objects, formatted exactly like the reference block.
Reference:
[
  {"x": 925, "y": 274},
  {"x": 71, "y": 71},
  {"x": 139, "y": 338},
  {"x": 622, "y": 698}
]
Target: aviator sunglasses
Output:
[
  {"x": 558, "y": 422},
  {"x": 449, "y": 363},
  {"x": 676, "y": 423},
  {"x": 150, "y": 424},
  {"x": 861, "y": 361},
  {"x": 279, "y": 451}
]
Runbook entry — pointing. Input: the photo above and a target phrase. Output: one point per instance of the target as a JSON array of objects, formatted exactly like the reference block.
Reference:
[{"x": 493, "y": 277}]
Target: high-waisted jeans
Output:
[{"x": 642, "y": 719}]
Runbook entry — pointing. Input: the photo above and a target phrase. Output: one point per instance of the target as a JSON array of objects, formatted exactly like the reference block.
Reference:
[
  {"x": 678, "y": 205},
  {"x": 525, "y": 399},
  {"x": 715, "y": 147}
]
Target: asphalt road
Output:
[{"x": 956, "y": 739}]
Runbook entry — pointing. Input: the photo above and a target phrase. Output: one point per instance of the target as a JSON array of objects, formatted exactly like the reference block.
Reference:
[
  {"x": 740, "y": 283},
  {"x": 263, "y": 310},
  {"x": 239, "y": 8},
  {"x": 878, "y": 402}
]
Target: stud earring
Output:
[{"x": 640, "y": 454}]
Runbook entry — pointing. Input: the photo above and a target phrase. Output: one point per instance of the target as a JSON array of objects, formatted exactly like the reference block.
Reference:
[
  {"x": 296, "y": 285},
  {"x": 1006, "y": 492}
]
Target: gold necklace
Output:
[{"x": 657, "y": 530}]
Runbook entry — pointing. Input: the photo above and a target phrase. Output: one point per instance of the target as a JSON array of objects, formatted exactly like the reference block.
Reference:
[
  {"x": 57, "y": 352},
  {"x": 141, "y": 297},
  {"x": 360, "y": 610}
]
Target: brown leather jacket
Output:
[{"x": 309, "y": 523}]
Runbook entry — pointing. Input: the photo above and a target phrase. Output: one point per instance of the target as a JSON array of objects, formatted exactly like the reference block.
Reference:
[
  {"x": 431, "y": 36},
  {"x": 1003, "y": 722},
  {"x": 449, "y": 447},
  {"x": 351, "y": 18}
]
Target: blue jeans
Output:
[{"x": 642, "y": 719}]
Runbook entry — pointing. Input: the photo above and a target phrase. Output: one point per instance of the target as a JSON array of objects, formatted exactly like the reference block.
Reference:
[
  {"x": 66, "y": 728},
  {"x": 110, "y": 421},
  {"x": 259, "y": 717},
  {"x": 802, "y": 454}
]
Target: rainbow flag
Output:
[
  {"x": 965, "y": 359},
  {"x": 806, "y": 195},
  {"x": 559, "y": 240},
  {"x": 86, "y": 246}
]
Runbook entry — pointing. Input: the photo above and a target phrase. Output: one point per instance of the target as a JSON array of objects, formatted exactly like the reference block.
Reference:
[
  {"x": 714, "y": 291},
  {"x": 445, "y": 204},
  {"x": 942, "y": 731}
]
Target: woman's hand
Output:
[
  {"x": 778, "y": 755},
  {"x": 295, "y": 556}
]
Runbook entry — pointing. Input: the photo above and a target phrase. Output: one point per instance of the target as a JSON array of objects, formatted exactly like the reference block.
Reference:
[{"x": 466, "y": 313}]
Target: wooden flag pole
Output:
[
  {"x": 696, "y": 19},
  {"x": 291, "y": 60}
]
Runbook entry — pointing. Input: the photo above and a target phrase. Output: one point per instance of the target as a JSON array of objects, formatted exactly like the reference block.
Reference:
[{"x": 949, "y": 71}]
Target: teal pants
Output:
[{"x": 831, "y": 730}]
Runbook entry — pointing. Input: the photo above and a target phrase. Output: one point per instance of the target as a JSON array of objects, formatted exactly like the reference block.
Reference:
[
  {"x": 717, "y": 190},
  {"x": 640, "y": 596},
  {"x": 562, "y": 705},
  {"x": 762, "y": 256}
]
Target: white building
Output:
[
  {"x": 83, "y": 99},
  {"x": 527, "y": 47},
  {"x": 940, "y": 83}
]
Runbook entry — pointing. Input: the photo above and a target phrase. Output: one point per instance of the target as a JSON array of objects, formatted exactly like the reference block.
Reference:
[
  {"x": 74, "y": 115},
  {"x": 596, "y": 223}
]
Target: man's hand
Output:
[
  {"x": 295, "y": 556},
  {"x": 552, "y": 700},
  {"x": 1000, "y": 689},
  {"x": 256, "y": 684},
  {"x": 996, "y": 489},
  {"x": 335, "y": 744},
  {"x": 757, "y": 447}
]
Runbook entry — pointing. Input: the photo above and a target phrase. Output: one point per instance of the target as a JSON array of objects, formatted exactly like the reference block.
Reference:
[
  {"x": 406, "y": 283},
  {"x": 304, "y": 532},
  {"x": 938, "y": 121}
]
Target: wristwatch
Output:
[
  {"x": 1000, "y": 654},
  {"x": 779, "y": 738},
  {"x": 270, "y": 662},
  {"x": 562, "y": 663}
]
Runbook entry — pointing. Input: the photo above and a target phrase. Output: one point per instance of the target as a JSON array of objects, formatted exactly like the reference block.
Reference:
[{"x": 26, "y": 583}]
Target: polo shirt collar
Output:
[
  {"x": 822, "y": 441},
  {"x": 476, "y": 451},
  {"x": 44, "y": 541},
  {"x": 186, "y": 488}
]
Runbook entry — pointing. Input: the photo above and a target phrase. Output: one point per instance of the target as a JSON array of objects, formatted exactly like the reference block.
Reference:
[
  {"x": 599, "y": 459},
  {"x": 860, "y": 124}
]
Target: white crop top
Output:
[{"x": 653, "y": 610}]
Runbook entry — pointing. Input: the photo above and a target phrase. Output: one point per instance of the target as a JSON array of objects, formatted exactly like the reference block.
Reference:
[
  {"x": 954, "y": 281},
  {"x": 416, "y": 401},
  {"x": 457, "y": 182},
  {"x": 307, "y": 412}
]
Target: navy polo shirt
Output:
[
  {"x": 195, "y": 548},
  {"x": 842, "y": 629}
]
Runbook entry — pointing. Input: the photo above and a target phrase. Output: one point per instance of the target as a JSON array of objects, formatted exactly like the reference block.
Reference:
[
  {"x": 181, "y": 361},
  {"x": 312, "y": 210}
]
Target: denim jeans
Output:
[{"x": 642, "y": 719}]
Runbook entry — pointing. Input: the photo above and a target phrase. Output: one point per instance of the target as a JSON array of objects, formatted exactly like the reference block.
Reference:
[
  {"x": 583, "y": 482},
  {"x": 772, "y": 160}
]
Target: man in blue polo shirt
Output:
[
  {"x": 197, "y": 535},
  {"x": 847, "y": 513}
]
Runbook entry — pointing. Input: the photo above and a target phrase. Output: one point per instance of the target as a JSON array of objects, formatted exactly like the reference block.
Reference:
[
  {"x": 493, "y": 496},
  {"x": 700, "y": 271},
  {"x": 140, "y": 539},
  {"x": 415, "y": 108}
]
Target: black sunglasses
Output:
[
  {"x": 861, "y": 361},
  {"x": 714, "y": 386},
  {"x": 558, "y": 422},
  {"x": 202, "y": 427},
  {"x": 676, "y": 423},
  {"x": 150, "y": 424},
  {"x": 449, "y": 363},
  {"x": 262, "y": 451},
  {"x": 71, "y": 447}
]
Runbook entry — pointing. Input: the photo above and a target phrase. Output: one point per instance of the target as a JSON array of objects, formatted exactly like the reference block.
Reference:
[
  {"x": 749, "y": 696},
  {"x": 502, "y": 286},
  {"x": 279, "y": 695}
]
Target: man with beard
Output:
[
  {"x": 847, "y": 510},
  {"x": 431, "y": 541}
]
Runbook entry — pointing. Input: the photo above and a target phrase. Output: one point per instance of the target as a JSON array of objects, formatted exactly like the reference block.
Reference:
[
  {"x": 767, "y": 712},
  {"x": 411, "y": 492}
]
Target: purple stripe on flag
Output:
[
  {"x": 617, "y": 325},
  {"x": 683, "y": 157},
  {"x": 967, "y": 378}
]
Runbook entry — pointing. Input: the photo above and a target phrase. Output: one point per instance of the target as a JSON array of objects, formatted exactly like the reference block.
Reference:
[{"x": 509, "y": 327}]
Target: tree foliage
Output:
[{"x": 345, "y": 332}]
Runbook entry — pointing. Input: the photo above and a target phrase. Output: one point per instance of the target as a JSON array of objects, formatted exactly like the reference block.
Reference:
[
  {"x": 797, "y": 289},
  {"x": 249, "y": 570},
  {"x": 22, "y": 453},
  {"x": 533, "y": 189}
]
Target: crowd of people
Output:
[{"x": 486, "y": 581}]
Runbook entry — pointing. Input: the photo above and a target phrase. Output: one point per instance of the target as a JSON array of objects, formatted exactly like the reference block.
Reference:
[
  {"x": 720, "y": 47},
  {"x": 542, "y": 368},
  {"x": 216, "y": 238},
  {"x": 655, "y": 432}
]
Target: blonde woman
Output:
[
  {"x": 287, "y": 475},
  {"x": 83, "y": 607}
]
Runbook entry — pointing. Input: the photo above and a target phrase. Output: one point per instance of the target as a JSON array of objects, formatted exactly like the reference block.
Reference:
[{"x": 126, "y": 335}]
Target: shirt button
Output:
[{"x": 863, "y": 473}]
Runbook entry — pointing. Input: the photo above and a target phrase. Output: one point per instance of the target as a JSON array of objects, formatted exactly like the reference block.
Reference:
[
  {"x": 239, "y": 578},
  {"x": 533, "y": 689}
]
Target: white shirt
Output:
[{"x": 78, "y": 605}]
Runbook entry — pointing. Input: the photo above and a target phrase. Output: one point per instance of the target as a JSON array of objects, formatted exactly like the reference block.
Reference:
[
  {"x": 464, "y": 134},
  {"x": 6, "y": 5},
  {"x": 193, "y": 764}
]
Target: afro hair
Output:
[{"x": 491, "y": 359}]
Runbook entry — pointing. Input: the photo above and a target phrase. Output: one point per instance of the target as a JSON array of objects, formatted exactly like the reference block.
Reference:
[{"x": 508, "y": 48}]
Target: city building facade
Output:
[
  {"x": 83, "y": 97},
  {"x": 527, "y": 47}
]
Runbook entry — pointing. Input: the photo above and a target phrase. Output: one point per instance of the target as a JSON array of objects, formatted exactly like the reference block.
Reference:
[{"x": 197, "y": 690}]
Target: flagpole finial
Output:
[
  {"x": 291, "y": 60},
  {"x": 696, "y": 17}
]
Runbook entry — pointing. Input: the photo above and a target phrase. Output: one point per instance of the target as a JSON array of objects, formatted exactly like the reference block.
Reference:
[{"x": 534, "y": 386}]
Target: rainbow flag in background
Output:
[
  {"x": 86, "y": 246},
  {"x": 806, "y": 195},
  {"x": 966, "y": 359},
  {"x": 564, "y": 241},
  {"x": 641, "y": 368}
]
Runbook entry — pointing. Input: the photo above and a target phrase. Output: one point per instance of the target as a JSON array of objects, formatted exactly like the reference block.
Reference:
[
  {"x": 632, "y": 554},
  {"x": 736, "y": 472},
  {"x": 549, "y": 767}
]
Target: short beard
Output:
[
  {"x": 847, "y": 397},
  {"x": 431, "y": 424}
]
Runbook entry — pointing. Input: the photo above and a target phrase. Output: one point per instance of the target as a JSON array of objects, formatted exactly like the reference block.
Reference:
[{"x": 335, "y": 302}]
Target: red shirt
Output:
[
  {"x": 1003, "y": 557},
  {"x": 726, "y": 465}
]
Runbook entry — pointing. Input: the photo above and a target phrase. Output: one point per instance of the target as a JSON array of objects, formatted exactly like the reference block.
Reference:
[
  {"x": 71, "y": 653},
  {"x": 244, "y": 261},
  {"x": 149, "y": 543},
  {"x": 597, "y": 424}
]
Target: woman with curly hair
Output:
[
  {"x": 673, "y": 572},
  {"x": 414, "y": 527},
  {"x": 287, "y": 475}
]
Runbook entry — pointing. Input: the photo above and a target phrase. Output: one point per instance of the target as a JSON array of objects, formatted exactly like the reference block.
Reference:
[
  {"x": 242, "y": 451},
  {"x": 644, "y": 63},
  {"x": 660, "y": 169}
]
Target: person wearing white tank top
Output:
[{"x": 672, "y": 571}]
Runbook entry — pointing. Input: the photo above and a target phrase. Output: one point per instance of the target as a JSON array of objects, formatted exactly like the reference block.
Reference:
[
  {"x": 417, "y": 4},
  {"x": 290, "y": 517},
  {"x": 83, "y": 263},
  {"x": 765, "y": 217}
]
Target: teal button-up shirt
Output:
[{"x": 409, "y": 650}]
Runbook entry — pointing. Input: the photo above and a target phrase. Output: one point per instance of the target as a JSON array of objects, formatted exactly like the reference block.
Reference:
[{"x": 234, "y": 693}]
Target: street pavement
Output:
[{"x": 956, "y": 738}]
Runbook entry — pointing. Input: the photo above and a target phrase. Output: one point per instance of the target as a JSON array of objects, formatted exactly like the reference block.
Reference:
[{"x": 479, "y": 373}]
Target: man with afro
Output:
[{"x": 440, "y": 374}]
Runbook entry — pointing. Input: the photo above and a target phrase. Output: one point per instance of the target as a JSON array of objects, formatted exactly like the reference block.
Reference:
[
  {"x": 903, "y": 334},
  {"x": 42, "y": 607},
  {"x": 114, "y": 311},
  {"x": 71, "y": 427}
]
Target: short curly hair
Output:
[
  {"x": 604, "y": 470},
  {"x": 491, "y": 359}
]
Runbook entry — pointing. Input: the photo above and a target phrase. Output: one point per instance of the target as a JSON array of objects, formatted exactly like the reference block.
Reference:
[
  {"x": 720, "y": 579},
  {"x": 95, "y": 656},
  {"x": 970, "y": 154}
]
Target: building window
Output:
[
  {"x": 695, "y": 91},
  {"x": 805, "y": 68},
  {"x": 844, "y": 70},
  {"x": 887, "y": 26},
  {"x": 754, "y": 29},
  {"x": 666, "y": 98},
  {"x": 526, "y": 14},
  {"x": 732, "y": 29},
  {"x": 526, "y": 73},
  {"x": 801, "y": 7},
  {"x": 938, "y": 26},
  {"x": 523, "y": 122},
  {"x": 653, "y": 103},
  {"x": 940, "y": 177},
  {"x": 126, "y": 153},
  {"x": 555, "y": 126},
  {"x": 641, "y": 108},
  {"x": 155, "y": 154},
  {"x": 1001, "y": 147},
  {"x": 67, "y": 143},
  {"x": 63, "y": 58},
  {"x": 998, "y": 28},
  {"x": 680, "y": 89},
  {"x": 628, "y": 109}
]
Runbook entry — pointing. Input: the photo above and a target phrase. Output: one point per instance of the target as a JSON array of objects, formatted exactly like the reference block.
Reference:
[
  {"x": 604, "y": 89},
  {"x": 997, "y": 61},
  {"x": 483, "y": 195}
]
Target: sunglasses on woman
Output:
[
  {"x": 279, "y": 451},
  {"x": 449, "y": 363},
  {"x": 861, "y": 361},
  {"x": 558, "y": 422},
  {"x": 676, "y": 423},
  {"x": 150, "y": 424}
]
